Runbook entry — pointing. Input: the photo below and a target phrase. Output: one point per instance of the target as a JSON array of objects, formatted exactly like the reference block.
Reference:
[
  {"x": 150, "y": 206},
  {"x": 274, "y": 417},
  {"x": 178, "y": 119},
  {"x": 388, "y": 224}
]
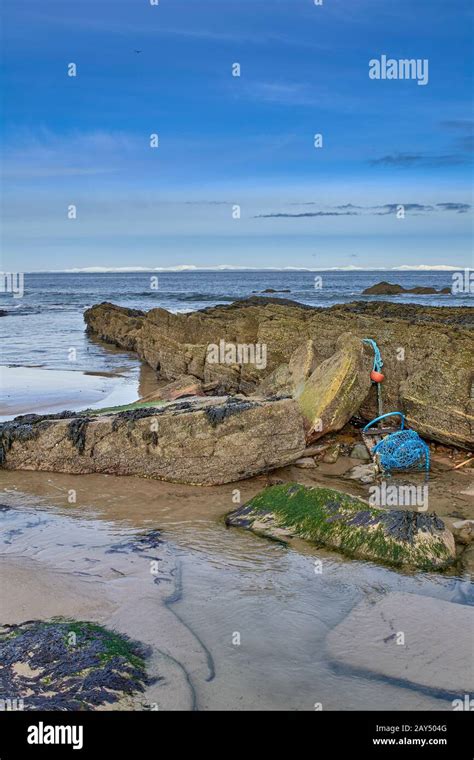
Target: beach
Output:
[{"x": 234, "y": 621}]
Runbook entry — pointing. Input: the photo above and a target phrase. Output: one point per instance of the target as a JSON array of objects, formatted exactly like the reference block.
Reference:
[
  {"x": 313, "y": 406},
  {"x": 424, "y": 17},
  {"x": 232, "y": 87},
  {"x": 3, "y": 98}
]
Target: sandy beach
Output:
[{"x": 35, "y": 390}]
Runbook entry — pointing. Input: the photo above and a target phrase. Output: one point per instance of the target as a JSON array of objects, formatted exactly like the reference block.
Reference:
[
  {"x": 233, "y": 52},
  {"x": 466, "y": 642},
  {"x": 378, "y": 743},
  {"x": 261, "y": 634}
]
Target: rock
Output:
[
  {"x": 271, "y": 290},
  {"x": 467, "y": 560},
  {"x": 348, "y": 524},
  {"x": 359, "y": 451},
  {"x": 289, "y": 378},
  {"x": 100, "y": 668},
  {"x": 437, "y": 637},
  {"x": 305, "y": 462},
  {"x": 317, "y": 450},
  {"x": 383, "y": 289},
  {"x": 184, "y": 386},
  {"x": 277, "y": 383},
  {"x": 332, "y": 454},
  {"x": 463, "y": 531},
  {"x": 301, "y": 366},
  {"x": 203, "y": 441},
  {"x": 432, "y": 383},
  {"x": 366, "y": 473},
  {"x": 389, "y": 289},
  {"x": 336, "y": 389}
]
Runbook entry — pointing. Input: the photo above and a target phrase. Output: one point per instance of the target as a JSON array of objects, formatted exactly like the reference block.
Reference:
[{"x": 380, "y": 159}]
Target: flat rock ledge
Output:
[
  {"x": 418, "y": 641},
  {"x": 343, "y": 522},
  {"x": 201, "y": 441}
]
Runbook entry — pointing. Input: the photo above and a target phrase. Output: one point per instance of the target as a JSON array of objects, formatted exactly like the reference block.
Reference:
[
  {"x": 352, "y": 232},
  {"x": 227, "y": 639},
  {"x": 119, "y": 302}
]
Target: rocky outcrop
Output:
[
  {"x": 426, "y": 351},
  {"x": 336, "y": 389},
  {"x": 347, "y": 524},
  {"x": 203, "y": 441},
  {"x": 392, "y": 289}
]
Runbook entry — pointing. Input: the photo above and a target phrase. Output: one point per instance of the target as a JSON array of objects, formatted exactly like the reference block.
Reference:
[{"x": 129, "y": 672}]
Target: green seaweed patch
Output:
[
  {"x": 346, "y": 523},
  {"x": 123, "y": 408}
]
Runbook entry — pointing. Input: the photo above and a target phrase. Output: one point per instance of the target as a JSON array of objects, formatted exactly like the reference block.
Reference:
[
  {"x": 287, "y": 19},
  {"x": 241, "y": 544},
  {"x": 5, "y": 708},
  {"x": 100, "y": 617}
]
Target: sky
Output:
[{"x": 236, "y": 179}]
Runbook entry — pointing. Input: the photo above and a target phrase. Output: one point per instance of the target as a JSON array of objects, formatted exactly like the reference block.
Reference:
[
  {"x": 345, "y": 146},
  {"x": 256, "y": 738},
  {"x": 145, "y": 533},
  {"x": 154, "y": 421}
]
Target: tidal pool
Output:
[{"x": 235, "y": 622}]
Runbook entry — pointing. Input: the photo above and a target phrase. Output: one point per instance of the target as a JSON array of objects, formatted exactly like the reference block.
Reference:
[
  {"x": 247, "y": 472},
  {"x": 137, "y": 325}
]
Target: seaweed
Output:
[
  {"x": 151, "y": 539},
  {"x": 70, "y": 664},
  {"x": 76, "y": 432},
  {"x": 220, "y": 412}
]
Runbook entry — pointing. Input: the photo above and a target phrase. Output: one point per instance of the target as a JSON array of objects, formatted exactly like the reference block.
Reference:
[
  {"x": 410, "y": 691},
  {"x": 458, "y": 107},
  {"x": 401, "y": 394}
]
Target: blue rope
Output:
[{"x": 378, "y": 363}]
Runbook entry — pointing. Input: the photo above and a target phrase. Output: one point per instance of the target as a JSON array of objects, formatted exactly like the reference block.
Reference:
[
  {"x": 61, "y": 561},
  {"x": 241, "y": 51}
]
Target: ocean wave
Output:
[{"x": 160, "y": 296}]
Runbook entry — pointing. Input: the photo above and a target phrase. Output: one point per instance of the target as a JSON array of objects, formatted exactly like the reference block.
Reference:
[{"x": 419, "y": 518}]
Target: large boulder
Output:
[
  {"x": 426, "y": 351},
  {"x": 337, "y": 388},
  {"x": 202, "y": 441},
  {"x": 290, "y": 377},
  {"x": 345, "y": 523}
]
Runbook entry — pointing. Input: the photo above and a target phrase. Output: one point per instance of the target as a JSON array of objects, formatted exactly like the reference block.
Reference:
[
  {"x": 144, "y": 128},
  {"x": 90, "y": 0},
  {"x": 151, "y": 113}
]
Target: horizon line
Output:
[{"x": 230, "y": 268}]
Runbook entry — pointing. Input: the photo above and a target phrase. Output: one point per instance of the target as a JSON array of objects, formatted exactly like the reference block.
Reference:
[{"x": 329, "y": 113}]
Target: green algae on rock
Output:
[
  {"x": 70, "y": 665},
  {"x": 348, "y": 524}
]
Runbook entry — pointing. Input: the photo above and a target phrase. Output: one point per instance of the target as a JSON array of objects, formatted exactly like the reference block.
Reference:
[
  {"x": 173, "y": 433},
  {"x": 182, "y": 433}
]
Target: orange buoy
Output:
[{"x": 376, "y": 377}]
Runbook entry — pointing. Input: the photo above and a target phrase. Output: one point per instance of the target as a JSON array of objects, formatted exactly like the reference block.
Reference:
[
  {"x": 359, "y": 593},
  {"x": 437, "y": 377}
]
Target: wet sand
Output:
[
  {"x": 213, "y": 583},
  {"x": 35, "y": 390}
]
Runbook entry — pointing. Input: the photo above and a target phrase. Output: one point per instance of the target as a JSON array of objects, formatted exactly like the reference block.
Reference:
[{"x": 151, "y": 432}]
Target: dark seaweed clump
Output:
[
  {"x": 76, "y": 432},
  {"x": 69, "y": 665},
  {"x": 140, "y": 543},
  {"x": 220, "y": 412},
  {"x": 404, "y": 525},
  {"x": 133, "y": 415}
]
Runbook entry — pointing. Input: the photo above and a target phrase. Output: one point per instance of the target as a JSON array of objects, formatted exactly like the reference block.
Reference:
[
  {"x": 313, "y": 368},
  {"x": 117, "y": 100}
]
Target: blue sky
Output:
[{"x": 226, "y": 141}]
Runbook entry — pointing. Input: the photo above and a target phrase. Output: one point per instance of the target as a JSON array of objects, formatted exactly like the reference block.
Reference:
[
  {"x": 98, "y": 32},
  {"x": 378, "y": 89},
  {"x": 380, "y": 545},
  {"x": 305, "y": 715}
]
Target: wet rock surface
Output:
[
  {"x": 202, "y": 441},
  {"x": 69, "y": 665},
  {"x": 392, "y": 289},
  {"x": 346, "y": 523}
]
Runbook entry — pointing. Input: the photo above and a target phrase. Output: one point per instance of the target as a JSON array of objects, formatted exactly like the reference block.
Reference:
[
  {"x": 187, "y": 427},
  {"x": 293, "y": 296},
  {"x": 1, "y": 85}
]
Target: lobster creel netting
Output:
[{"x": 403, "y": 450}]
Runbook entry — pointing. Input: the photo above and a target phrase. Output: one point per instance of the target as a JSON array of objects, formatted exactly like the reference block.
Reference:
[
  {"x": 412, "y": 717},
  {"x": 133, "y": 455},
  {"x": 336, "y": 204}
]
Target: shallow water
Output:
[{"x": 216, "y": 583}]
